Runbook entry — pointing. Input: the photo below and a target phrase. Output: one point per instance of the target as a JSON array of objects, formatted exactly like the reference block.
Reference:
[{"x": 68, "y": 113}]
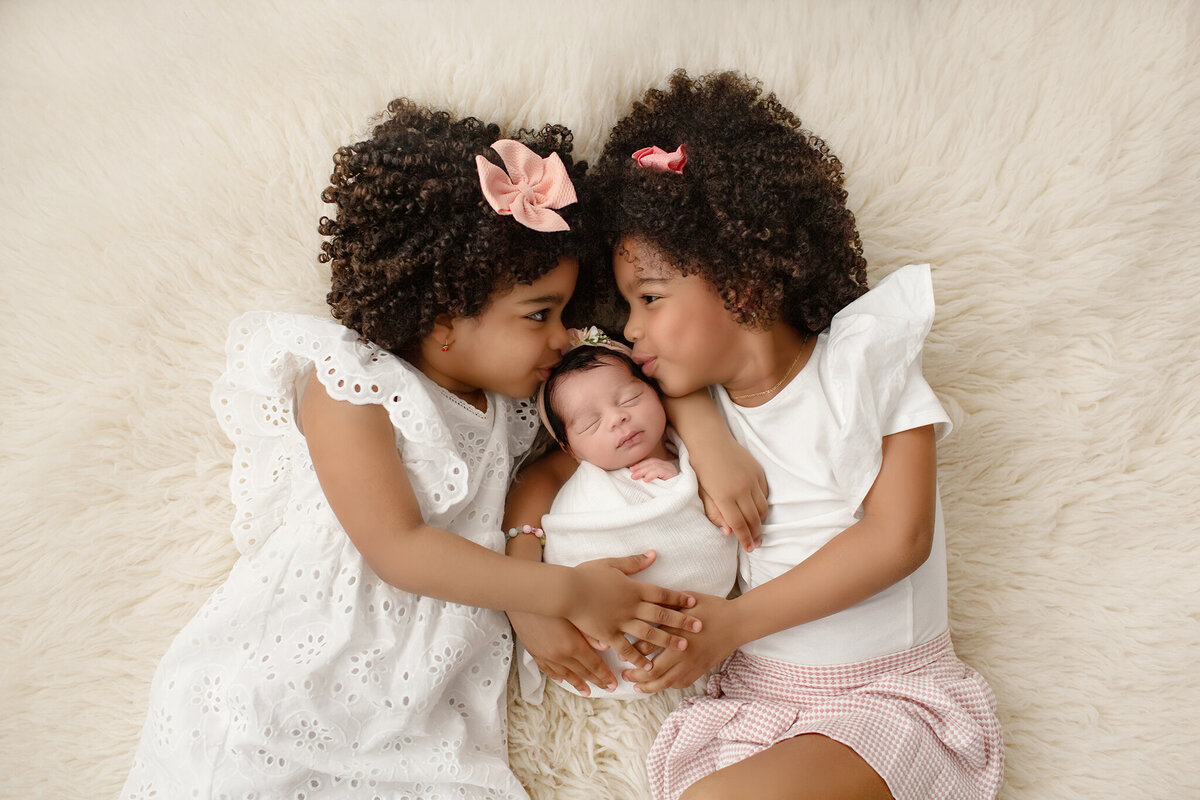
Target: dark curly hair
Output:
[
  {"x": 759, "y": 210},
  {"x": 413, "y": 236}
]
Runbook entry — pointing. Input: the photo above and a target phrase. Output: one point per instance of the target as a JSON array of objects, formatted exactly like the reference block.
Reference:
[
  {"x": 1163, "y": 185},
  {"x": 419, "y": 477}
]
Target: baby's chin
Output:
[
  {"x": 633, "y": 459},
  {"x": 616, "y": 464},
  {"x": 617, "y": 460}
]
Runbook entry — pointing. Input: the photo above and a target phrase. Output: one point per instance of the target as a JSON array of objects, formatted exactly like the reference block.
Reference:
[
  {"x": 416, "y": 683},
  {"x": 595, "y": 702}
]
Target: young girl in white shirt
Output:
[{"x": 743, "y": 272}]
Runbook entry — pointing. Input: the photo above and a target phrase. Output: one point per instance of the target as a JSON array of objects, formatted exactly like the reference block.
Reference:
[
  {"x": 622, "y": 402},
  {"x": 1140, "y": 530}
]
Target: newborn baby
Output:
[{"x": 631, "y": 493}]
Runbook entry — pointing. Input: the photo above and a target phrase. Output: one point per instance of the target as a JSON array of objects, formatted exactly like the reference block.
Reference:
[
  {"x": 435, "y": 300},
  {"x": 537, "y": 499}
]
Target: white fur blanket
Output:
[{"x": 161, "y": 167}]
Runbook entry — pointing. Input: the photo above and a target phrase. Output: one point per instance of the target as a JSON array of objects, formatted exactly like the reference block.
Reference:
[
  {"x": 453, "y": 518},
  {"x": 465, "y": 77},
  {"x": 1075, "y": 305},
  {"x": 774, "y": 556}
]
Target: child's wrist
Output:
[
  {"x": 742, "y": 630},
  {"x": 527, "y": 530},
  {"x": 557, "y": 599},
  {"x": 525, "y": 547}
]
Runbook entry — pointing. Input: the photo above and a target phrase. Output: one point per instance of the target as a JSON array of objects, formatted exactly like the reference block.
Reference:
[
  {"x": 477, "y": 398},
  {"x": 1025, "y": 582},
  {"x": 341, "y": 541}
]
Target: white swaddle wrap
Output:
[{"x": 602, "y": 514}]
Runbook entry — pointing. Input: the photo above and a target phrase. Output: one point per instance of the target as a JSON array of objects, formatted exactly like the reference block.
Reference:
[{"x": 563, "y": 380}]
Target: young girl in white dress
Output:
[
  {"x": 743, "y": 272},
  {"x": 634, "y": 488},
  {"x": 354, "y": 650}
]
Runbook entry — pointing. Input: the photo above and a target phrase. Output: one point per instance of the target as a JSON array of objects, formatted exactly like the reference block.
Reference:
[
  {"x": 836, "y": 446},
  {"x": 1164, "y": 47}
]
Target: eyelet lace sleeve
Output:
[
  {"x": 268, "y": 356},
  {"x": 523, "y": 424}
]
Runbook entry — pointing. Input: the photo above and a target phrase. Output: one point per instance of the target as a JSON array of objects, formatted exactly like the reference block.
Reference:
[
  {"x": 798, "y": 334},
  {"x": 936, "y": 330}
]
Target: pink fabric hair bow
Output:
[
  {"x": 658, "y": 159},
  {"x": 531, "y": 189}
]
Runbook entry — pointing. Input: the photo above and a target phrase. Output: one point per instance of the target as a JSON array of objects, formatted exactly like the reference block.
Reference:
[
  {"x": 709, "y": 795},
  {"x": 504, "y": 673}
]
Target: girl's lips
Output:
[
  {"x": 543, "y": 373},
  {"x": 648, "y": 366}
]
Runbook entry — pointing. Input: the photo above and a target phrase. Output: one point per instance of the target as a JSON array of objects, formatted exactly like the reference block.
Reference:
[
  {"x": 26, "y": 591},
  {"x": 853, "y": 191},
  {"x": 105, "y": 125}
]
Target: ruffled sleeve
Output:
[
  {"x": 872, "y": 361},
  {"x": 269, "y": 355}
]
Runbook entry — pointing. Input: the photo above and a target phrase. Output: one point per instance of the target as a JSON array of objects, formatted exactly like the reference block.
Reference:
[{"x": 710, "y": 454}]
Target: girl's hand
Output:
[
  {"x": 732, "y": 484},
  {"x": 608, "y": 603},
  {"x": 561, "y": 651},
  {"x": 680, "y": 669},
  {"x": 733, "y": 488},
  {"x": 651, "y": 468}
]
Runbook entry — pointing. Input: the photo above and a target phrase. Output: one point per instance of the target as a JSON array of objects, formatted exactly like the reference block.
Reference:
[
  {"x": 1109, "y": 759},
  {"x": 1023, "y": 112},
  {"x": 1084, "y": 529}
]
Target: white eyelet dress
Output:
[{"x": 304, "y": 675}]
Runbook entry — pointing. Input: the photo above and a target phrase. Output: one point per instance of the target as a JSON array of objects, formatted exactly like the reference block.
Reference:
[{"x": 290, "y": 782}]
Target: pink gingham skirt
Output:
[{"x": 921, "y": 718}]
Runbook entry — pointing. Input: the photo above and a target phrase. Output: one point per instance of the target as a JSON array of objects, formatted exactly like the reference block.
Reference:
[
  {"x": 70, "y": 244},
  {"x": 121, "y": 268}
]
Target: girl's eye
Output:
[
  {"x": 539, "y": 316},
  {"x": 647, "y": 299},
  {"x": 630, "y": 400}
]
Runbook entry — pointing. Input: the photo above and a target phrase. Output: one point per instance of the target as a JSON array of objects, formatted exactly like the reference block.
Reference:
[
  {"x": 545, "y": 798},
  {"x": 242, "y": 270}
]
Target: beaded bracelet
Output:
[{"x": 515, "y": 532}]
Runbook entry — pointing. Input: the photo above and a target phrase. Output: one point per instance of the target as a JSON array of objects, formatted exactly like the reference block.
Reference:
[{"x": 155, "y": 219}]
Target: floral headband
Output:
[
  {"x": 660, "y": 160},
  {"x": 529, "y": 187},
  {"x": 579, "y": 337}
]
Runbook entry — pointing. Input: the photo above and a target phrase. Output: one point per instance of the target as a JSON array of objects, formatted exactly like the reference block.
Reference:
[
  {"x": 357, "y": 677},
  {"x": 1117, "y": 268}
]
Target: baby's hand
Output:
[{"x": 651, "y": 468}]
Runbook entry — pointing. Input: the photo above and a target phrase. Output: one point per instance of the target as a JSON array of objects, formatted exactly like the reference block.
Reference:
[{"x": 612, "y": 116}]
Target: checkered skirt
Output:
[{"x": 921, "y": 718}]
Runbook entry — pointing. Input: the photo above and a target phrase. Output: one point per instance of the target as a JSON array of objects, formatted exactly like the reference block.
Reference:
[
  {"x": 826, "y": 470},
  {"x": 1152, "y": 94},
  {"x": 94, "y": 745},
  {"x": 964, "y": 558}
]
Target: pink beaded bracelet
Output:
[{"x": 515, "y": 532}]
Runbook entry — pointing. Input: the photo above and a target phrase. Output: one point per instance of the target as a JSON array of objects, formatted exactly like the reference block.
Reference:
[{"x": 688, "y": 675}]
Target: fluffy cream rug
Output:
[{"x": 161, "y": 167}]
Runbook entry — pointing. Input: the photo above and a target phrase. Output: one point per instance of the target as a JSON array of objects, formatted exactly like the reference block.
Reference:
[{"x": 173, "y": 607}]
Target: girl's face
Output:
[
  {"x": 611, "y": 418},
  {"x": 682, "y": 334},
  {"x": 512, "y": 345}
]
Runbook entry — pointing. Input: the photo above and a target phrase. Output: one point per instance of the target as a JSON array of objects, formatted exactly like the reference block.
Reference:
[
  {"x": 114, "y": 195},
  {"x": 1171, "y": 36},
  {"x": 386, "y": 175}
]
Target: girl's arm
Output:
[
  {"x": 892, "y": 539},
  {"x": 557, "y": 646},
  {"x": 354, "y": 452},
  {"x": 732, "y": 484}
]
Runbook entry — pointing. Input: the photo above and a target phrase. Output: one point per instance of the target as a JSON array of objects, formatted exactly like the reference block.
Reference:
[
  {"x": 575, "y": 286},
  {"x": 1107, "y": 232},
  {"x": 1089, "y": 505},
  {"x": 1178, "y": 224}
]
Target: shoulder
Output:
[
  {"x": 552, "y": 470},
  {"x": 317, "y": 411},
  {"x": 273, "y": 357},
  {"x": 904, "y": 296},
  {"x": 881, "y": 333}
]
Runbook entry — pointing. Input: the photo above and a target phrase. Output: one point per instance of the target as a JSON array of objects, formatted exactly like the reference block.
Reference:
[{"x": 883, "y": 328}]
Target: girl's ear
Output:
[
  {"x": 443, "y": 330},
  {"x": 746, "y": 307}
]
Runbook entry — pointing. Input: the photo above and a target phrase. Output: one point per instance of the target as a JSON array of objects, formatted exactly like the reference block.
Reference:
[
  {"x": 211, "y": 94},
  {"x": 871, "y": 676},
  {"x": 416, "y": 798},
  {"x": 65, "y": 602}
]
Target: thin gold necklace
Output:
[{"x": 782, "y": 380}]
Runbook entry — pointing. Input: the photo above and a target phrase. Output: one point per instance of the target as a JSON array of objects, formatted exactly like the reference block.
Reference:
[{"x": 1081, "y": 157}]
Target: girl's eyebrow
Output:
[
  {"x": 543, "y": 299},
  {"x": 641, "y": 281}
]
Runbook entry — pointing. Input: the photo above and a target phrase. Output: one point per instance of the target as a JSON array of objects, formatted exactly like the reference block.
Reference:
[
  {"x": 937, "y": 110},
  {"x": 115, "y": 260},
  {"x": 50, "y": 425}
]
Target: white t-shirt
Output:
[{"x": 820, "y": 443}]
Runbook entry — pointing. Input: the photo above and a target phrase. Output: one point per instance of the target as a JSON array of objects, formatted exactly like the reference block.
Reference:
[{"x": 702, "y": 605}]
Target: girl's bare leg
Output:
[{"x": 808, "y": 767}]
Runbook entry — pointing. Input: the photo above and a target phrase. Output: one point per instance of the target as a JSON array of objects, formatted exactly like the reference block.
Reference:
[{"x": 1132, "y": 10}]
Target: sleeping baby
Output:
[{"x": 633, "y": 490}]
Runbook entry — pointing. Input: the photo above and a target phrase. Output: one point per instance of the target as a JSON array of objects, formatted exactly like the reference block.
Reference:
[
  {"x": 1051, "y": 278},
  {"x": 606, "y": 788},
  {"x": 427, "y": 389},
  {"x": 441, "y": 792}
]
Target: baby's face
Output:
[{"x": 612, "y": 419}]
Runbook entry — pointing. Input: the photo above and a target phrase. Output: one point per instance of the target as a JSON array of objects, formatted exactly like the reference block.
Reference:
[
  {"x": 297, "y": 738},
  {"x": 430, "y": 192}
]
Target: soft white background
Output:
[{"x": 160, "y": 172}]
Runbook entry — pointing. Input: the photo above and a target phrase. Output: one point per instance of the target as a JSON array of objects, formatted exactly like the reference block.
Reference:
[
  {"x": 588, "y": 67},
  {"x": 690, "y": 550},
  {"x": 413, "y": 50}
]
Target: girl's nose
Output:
[
  {"x": 558, "y": 337},
  {"x": 633, "y": 329}
]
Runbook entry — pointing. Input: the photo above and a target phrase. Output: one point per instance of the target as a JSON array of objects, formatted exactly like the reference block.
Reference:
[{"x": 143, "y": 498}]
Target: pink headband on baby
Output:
[
  {"x": 579, "y": 337},
  {"x": 532, "y": 187},
  {"x": 660, "y": 160}
]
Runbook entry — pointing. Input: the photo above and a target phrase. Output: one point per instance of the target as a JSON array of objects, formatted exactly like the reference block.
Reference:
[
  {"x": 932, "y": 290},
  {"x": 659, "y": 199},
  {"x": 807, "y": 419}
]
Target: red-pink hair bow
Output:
[
  {"x": 658, "y": 159},
  {"x": 531, "y": 189}
]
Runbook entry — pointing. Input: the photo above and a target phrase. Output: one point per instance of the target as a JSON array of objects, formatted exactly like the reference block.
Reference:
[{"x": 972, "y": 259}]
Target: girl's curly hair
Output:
[
  {"x": 759, "y": 210},
  {"x": 413, "y": 236}
]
